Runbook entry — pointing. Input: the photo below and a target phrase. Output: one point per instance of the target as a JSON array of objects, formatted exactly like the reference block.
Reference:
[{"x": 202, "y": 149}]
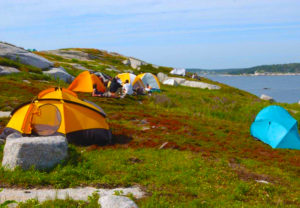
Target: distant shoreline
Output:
[{"x": 258, "y": 74}]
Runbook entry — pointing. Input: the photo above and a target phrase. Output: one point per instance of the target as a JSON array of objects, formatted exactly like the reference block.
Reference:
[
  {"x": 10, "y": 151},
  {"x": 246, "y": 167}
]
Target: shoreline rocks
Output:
[
  {"x": 267, "y": 98},
  {"x": 174, "y": 81}
]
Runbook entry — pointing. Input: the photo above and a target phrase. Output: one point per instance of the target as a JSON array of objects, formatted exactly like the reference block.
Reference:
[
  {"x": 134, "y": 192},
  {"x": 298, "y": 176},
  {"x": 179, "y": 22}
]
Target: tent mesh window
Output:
[{"x": 46, "y": 121}]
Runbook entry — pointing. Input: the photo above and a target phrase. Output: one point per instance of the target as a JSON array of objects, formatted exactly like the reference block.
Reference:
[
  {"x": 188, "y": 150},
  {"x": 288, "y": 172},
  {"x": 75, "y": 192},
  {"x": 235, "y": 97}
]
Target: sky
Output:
[{"x": 207, "y": 34}]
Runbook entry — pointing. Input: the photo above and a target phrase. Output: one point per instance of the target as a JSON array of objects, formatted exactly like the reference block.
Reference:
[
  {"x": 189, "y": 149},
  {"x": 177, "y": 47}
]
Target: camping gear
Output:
[
  {"x": 84, "y": 83},
  {"x": 180, "y": 72},
  {"x": 135, "y": 81},
  {"x": 151, "y": 80},
  {"x": 57, "y": 110},
  {"x": 104, "y": 77},
  {"x": 275, "y": 126}
]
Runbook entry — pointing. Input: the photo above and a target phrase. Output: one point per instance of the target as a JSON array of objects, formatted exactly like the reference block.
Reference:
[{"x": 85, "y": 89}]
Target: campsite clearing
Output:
[{"x": 210, "y": 159}]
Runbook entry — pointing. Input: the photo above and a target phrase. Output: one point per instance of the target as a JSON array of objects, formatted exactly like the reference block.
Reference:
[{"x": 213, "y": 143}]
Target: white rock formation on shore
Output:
[
  {"x": 41, "y": 152},
  {"x": 266, "y": 97},
  {"x": 171, "y": 82},
  {"x": 174, "y": 81},
  {"x": 25, "y": 57},
  {"x": 4, "y": 70},
  {"x": 201, "y": 85}
]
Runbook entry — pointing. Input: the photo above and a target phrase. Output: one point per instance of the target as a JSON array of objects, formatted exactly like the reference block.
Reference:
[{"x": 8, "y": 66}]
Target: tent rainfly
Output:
[
  {"x": 60, "y": 111},
  {"x": 274, "y": 126},
  {"x": 150, "y": 79},
  {"x": 84, "y": 83},
  {"x": 135, "y": 81}
]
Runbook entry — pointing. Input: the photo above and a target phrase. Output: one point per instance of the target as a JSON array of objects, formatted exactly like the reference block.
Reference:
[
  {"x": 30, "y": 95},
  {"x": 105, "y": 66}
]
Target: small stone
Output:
[
  {"x": 145, "y": 128},
  {"x": 144, "y": 121},
  {"x": 26, "y": 81},
  {"x": 163, "y": 145},
  {"x": 112, "y": 201},
  {"x": 266, "y": 97},
  {"x": 262, "y": 181},
  {"x": 4, "y": 114}
]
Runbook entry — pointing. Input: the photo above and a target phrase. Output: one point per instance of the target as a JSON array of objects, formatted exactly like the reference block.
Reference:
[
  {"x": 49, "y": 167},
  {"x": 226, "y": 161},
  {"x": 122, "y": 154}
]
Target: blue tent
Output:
[{"x": 273, "y": 125}]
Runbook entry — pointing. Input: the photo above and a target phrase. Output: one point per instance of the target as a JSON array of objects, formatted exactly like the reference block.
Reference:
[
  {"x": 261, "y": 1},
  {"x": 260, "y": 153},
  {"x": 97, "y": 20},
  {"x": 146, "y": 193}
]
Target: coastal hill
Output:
[
  {"x": 184, "y": 147},
  {"x": 292, "y": 68}
]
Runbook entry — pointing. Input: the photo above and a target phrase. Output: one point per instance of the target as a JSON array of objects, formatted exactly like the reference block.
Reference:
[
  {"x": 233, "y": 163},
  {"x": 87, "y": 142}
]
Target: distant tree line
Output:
[{"x": 275, "y": 68}]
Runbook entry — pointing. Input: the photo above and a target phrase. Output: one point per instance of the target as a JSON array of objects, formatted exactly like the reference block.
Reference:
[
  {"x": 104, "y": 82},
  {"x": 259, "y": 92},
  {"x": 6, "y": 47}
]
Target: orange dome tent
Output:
[
  {"x": 84, "y": 83},
  {"x": 59, "y": 111}
]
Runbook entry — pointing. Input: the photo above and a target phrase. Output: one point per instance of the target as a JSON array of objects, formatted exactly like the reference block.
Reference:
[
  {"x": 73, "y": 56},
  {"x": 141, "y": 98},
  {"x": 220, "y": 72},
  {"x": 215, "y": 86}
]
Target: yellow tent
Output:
[
  {"x": 84, "y": 83},
  {"x": 150, "y": 79},
  {"x": 57, "y": 110},
  {"x": 135, "y": 81}
]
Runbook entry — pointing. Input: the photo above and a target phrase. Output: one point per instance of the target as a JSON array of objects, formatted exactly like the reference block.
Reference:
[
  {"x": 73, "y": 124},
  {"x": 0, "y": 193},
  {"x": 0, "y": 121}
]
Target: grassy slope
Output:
[{"x": 210, "y": 159}]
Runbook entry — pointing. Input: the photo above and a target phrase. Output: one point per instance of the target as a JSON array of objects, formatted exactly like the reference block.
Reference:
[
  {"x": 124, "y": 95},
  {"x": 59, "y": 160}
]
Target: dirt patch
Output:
[{"x": 246, "y": 175}]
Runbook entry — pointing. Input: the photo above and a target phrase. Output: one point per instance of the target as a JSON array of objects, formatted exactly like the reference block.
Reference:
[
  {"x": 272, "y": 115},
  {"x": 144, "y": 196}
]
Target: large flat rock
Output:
[
  {"x": 71, "y": 54},
  {"x": 80, "y": 193},
  {"x": 113, "y": 201},
  {"x": 25, "y": 57},
  {"x": 4, "y": 70},
  {"x": 201, "y": 85},
  {"x": 60, "y": 73},
  {"x": 40, "y": 152}
]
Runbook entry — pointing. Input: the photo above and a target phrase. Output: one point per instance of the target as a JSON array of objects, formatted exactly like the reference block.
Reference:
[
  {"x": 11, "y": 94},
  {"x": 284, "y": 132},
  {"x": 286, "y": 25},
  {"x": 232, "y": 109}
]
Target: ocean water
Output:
[{"x": 284, "y": 89}]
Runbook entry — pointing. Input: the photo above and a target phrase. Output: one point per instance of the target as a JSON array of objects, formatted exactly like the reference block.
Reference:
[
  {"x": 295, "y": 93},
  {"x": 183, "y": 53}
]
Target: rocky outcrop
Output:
[
  {"x": 112, "y": 201},
  {"x": 162, "y": 77},
  {"x": 80, "y": 193},
  {"x": 60, "y": 73},
  {"x": 134, "y": 63},
  {"x": 4, "y": 70},
  {"x": 201, "y": 85},
  {"x": 299, "y": 102},
  {"x": 180, "y": 81},
  {"x": 23, "y": 56},
  {"x": 40, "y": 152},
  {"x": 71, "y": 54},
  {"x": 266, "y": 97},
  {"x": 174, "y": 81},
  {"x": 171, "y": 82}
]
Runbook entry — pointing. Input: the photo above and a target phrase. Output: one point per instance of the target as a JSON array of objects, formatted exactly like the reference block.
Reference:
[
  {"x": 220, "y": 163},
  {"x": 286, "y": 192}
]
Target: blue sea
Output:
[{"x": 284, "y": 89}]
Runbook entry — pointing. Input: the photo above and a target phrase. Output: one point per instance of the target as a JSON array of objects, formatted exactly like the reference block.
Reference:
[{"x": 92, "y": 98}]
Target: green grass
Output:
[{"x": 210, "y": 159}]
